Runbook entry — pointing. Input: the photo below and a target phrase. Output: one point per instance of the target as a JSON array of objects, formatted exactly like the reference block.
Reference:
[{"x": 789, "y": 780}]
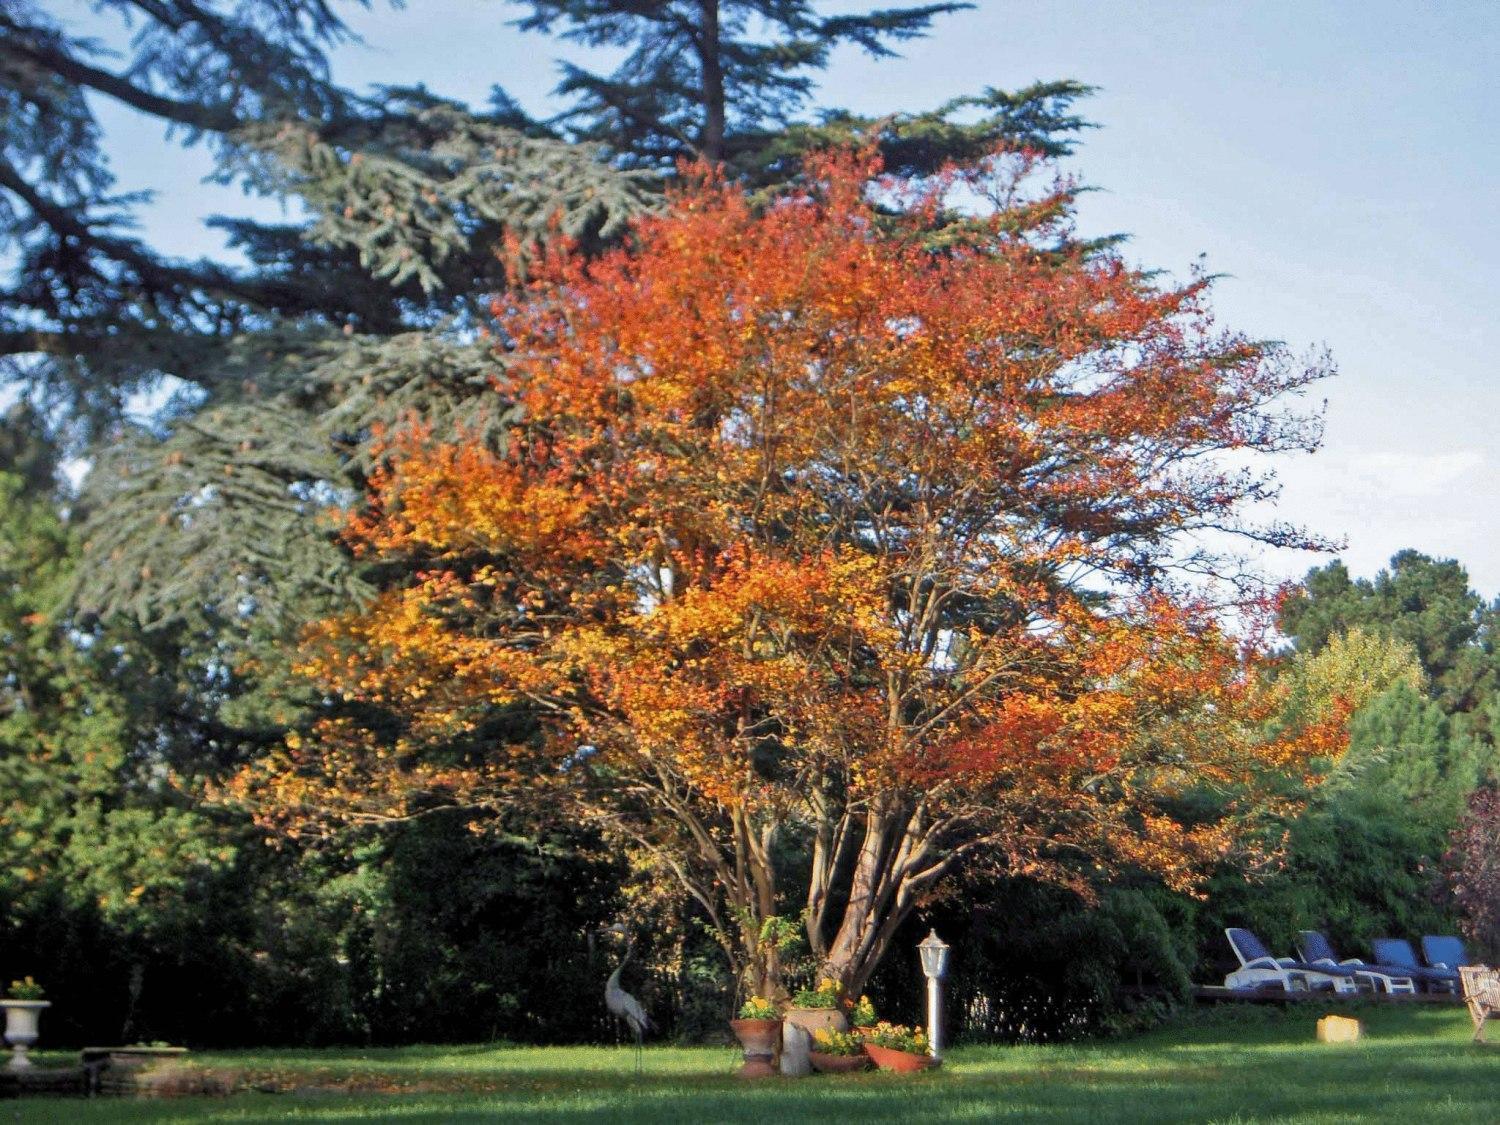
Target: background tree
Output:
[
  {"x": 1403, "y": 656},
  {"x": 1424, "y": 601},
  {"x": 724, "y": 81},
  {"x": 1473, "y": 865},
  {"x": 150, "y": 914},
  {"x": 823, "y": 532}
]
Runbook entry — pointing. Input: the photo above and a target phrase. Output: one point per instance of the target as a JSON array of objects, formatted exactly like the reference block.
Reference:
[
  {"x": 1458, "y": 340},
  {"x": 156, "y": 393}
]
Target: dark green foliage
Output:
[
  {"x": 103, "y": 861},
  {"x": 1037, "y": 964},
  {"x": 409, "y": 194},
  {"x": 1419, "y": 599},
  {"x": 1364, "y": 859},
  {"x": 427, "y": 191},
  {"x": 705, "y": 79},
  {"x": 148, "y": 914},
  {"x": 1038, "y": 117},
  {"x": 92, "y": 311},
  {"x": 673, "y": 99},
  {"x": 498, "y": 947}
]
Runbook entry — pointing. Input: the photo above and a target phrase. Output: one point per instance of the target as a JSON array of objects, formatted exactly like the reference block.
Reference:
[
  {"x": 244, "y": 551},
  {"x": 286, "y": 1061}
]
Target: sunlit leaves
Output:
[{"x": 802, "y": 518}]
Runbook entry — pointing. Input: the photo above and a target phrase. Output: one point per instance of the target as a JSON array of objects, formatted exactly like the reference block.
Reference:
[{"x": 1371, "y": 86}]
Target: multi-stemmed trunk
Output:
[
  {"x": 871, "y": 868},
  {"x": 851, "y": 918}
]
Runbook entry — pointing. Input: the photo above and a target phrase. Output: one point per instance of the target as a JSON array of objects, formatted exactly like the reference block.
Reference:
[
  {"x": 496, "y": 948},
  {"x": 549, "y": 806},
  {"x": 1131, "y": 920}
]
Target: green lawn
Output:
[{"x": 1229, "y": 1066}]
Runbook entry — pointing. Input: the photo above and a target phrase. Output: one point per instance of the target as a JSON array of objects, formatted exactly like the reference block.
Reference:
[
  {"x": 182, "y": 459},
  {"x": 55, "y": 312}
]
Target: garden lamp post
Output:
[{"x": 934, "y": 951}]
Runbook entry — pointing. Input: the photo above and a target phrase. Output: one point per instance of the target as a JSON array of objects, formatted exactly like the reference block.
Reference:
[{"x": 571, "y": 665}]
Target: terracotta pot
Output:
[
  {"x": 757, "y": 1066},
  {"x": 838, "y": 1064},
  {"x": 886, "y": 1058},
  {"x": 814, "y": 1020},
  {"x": 759, "y": 1038}
]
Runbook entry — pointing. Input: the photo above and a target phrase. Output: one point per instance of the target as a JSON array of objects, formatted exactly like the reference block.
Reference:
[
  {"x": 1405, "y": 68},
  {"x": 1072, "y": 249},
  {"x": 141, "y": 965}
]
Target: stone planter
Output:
[
  {"x": 886, "y": 1058},
  {"x": 814, "y": 1020},
  {"x": 21, "y": 1017},
  {"x": 838, "y": 1064},
  {"x": 759, "y": 1038}
]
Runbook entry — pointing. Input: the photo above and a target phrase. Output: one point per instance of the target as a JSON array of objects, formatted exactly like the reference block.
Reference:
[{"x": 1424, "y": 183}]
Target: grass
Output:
[{"x": 1236, "y": 1065}]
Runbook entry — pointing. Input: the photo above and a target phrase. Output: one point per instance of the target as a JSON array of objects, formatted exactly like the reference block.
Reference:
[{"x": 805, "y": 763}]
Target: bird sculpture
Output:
[{"x": 621, "y": 1004}]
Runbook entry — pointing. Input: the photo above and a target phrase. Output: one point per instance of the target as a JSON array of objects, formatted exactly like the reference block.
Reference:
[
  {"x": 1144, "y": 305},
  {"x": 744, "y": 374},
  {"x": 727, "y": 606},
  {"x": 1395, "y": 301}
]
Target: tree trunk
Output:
[
  {"x": 711, "y": 66},
  {"x": 893, "y": 868}
]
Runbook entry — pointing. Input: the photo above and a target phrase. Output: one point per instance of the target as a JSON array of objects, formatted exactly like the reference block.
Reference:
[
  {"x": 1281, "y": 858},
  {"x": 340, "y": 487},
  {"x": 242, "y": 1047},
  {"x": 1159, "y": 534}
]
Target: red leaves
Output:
[{"x": 812, "y": 493}]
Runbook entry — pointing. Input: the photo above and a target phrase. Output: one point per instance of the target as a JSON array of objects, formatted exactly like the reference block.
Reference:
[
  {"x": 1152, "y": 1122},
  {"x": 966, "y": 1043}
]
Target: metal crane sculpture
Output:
[{"x": 620, "y": 1003}]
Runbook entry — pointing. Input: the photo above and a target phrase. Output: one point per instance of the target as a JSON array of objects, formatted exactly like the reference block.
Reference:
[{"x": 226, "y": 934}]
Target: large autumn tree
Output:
[{"x": 825, "y": 521}]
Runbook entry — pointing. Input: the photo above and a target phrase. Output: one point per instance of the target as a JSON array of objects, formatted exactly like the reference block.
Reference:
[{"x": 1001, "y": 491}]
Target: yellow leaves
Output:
[{"x": 793, "y": 501}]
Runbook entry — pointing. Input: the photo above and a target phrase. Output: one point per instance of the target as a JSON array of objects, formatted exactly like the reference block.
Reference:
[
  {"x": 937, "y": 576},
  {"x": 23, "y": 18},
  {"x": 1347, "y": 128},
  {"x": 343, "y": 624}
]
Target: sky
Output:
[{"x": 1336, "y": 162}]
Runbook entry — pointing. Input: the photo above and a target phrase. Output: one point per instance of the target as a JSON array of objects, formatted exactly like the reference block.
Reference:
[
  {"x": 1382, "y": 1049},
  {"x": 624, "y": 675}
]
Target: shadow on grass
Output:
[{"x": 1415, "y": 1066}]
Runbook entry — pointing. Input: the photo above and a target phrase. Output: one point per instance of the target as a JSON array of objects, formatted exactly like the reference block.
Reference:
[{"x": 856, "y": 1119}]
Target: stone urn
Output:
[
  {"x": 21, "y": 1017},
  {"x": 814, "y": 1020},
  {"x": 888, "y": 1058},
  {"x": 759, "y": 1038}
]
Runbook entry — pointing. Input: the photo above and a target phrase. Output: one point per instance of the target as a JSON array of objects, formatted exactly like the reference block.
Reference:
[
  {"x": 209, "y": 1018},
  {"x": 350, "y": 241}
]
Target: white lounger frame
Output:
[{"x": 1272, "y": 970}]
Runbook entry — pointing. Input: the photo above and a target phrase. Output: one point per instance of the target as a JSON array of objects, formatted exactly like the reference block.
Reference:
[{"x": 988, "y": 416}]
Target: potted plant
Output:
[
  {"x": 837, "y": 1052},
  {"x": 759, "y": 1031},
  {"x": 814, "y": 1009},
  {"x": 23, "y": 1006},
  {"x": 894, "y": 1047},
  {"x": 862, "y": 1017}
]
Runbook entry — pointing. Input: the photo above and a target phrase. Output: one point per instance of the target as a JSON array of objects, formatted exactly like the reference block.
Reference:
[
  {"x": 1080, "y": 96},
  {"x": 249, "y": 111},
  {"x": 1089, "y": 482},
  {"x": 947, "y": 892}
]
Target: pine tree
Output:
[
  {"x": 206, "y": 519},
  {"x": 1424, "y": 601},
  {"x": 725, "y": 81},
  {"x": 401, "y": 186}
]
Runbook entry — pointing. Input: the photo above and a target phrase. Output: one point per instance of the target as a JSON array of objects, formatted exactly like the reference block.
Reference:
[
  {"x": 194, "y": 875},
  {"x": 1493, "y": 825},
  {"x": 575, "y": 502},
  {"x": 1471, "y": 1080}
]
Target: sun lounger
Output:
[
  {"x": 1259, "y": 969},
  {"x": 1444, "y": 952},
  {"x": 1399, "y": 953},
  {"x": 1315, "y": 949}
]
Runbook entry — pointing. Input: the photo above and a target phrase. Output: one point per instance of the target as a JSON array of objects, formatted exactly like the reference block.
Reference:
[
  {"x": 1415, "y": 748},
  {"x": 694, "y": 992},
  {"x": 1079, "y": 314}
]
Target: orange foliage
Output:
[{"x": 808, "y": 519}]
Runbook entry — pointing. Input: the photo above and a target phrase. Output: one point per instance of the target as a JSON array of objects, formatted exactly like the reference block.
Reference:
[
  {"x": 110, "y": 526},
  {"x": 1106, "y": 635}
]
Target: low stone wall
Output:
[
  {"x": 142, "y": 1072},
  {"x": 36, "y": 1081}
]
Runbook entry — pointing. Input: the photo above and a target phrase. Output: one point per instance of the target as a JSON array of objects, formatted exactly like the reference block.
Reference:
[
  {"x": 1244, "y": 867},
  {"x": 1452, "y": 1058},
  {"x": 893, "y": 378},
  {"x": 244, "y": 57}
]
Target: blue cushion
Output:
[
  {"x": 1316, "y": 947},
  {"x": 1447, "y": 950},
  {"x": 1395, "y": 951},
  {"x": 1398, "y": 952},
  {"x": 1247, "y": 945}
]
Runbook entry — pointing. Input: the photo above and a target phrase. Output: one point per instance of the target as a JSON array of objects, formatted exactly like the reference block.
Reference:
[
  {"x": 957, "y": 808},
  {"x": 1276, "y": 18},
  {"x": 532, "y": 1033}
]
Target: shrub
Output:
[{"x": 1474, "y": 871}]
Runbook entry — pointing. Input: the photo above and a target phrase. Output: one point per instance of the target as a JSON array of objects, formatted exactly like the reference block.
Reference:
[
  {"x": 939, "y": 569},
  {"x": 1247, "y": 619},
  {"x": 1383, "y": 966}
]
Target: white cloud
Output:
[{"x": 1411, "y": 475}]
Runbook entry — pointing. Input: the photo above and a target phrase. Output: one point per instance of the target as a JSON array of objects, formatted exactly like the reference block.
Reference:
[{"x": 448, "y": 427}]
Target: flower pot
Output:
[
  {"x": 838, "y": 1064},
  {"x": 21, "y": 1017},
  {"x": 887, "y": 1058},
  {"x": 759, "y": 1038},
  {"x": 814, "y": 1020}
]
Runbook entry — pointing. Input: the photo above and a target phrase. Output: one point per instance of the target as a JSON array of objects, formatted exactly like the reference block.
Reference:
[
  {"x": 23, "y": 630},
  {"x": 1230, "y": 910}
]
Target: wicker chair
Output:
[{"x": 1482, "y": 995}]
